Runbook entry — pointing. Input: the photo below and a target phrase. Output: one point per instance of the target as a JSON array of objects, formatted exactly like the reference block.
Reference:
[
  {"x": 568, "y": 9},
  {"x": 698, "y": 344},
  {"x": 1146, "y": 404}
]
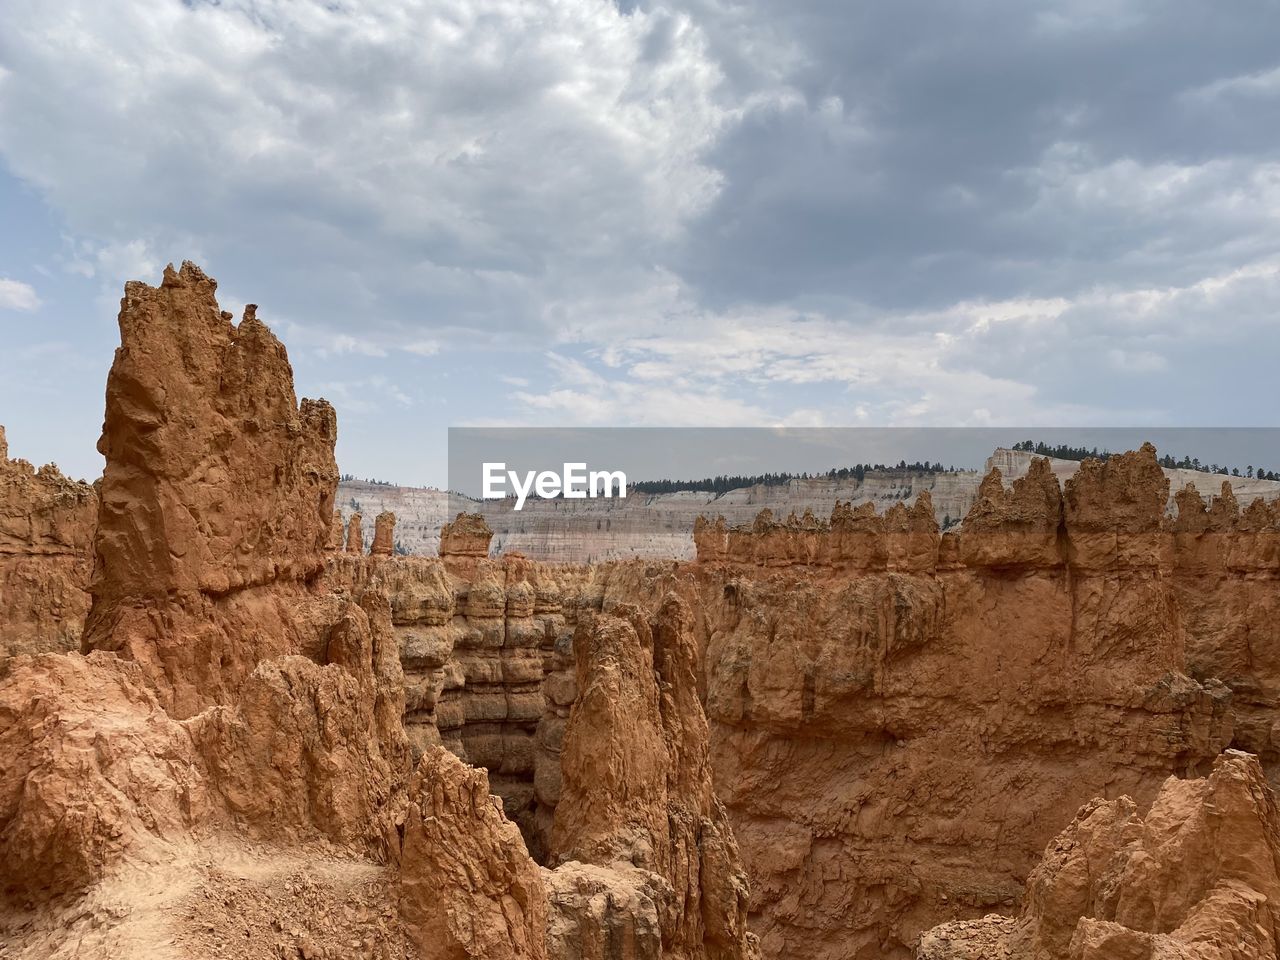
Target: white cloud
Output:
[
  {"x": 16, "y": 295},
  {"x": 1136, "y": 361},
  {"x": 698, "y": 212},
  {"x": 961, "y": 365},
  {"x": 365, "y": 394},
  {"x": 1263, "y": 83},
  {"x": 409, "y": 163},
  {"x": 422, "y": 348}
]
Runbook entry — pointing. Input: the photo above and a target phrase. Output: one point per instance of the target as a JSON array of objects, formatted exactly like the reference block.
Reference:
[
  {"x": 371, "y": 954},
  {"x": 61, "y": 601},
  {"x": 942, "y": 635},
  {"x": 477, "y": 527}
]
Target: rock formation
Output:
[
  {"x": 1226, "y": 570},
  {"x": 1196, "y": 876},
  {"x": 901, "y": 719},
  {"x": 467, "y": 536},
  {"x": 659, "y": 525},
  {"x": 637, "y": 786},
  {"x": 878, "y": 722},
  {"x": 239, "y": 689},
  {"x": 384, "y": 535},
  {"x": 46, "y": 533},
  {"x": 216, "y": 499},
  {"x": 468, "y": 887},
  {"x": 72, "y": 801},
  {"x": 222, "y": 689},
  {"x": 355, "y": 534}
]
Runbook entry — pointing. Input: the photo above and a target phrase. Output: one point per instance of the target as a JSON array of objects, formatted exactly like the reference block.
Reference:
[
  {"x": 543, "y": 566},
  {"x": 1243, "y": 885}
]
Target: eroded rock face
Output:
[
  {"x": 468, "y": 888},
  {"x": 877, "y": 692},
  {"x": 384, "y": 534},
  {"x": 1196, "y": 876},
  {"x": 217, "y": 497},
  {"x": 46, "y": 535},
  {"x": 467, "y": 536},
  {"x": 316, "y": 747},
  {"x": 898, "y": 717},
  {"x": 91, "y": 768},
  {"x": 224, "y": 689},
  {"x": 484, "y": 646},
  {"x": 1226, "y": 579},
  {"x": 896, "y": 732},
  {"x": 636, "y": 791},
  {"x": 232, "y": 693}
]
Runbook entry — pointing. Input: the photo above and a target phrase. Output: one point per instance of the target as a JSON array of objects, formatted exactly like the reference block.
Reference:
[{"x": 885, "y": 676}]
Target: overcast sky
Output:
[{"x": 700, "y": 212}]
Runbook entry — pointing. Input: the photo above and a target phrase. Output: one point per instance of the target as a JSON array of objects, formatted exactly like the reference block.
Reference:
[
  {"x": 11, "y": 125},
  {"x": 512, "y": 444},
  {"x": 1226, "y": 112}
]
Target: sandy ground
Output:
[{"x": 225, "y": 899}]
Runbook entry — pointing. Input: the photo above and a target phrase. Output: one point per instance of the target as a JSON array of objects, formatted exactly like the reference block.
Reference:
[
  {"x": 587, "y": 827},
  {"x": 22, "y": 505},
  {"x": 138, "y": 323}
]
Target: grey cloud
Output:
[
  {"x": 948, "y": 185},
  {"x": 767, "y": 210}
]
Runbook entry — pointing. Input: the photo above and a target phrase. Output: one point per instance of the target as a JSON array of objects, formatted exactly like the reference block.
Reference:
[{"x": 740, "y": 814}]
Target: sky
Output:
[{"x": 687, "y": 213}]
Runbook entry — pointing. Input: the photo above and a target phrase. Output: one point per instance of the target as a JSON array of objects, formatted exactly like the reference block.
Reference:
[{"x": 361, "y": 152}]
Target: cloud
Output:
[
  {"x": 685, "y": 211},
  {"x": 422, "y": 348},
  {"x": 924, "y": 153},
  {"x": 413, "y": 165},
  {"x": 365, "y": 395},
  {"x": 16, "y": 295},
  {"x": 1073, "y": 361}
]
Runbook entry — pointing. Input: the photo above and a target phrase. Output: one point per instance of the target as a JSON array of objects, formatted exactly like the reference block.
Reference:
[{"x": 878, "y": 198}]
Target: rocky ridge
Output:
[
  {"x": 953, "y": 698},
  {"x": 235, "y": 692}
]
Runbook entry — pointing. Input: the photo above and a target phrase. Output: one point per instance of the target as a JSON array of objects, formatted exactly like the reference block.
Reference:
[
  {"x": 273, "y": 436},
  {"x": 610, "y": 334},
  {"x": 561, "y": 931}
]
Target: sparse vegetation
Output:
[
  {"x": 1064, "y": 451},
  {"x": 724, "y": 483}
]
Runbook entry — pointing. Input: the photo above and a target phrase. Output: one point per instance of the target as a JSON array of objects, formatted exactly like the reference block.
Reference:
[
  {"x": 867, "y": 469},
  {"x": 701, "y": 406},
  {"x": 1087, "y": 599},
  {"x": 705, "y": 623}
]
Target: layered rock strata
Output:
[{"x": 478, "y": 643}]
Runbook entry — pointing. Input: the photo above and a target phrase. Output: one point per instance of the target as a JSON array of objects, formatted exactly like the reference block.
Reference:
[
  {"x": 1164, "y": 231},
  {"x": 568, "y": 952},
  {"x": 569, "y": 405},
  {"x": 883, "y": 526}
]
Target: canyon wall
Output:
[
  {"x": 902, "y": 719},
  {"x": 659, "y": 526},
  {"x": 477, "y": 640}
]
